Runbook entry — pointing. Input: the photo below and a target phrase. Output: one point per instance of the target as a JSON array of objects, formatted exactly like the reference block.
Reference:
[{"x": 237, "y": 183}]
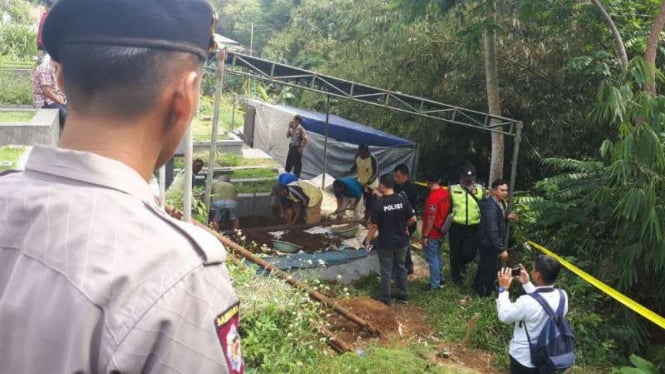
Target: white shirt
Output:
[{"x": 526, "y": 309}]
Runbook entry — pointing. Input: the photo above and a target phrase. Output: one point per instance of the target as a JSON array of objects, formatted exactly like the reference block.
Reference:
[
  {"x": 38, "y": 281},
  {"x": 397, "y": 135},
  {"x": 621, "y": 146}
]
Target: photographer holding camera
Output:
[{"x": 528, "y": 312}]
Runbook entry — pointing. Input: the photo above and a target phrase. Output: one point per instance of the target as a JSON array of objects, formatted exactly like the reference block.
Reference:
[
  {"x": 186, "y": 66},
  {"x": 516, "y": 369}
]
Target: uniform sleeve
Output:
[
  {"x": 375, "y": 169},
  {"x": 409, "y": 211},
  {"x": 374, "y": 215},
  {"x": 193, "y": 328}
]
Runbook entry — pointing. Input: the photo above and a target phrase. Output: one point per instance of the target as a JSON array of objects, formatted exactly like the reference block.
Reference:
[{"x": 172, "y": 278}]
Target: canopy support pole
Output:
[
  {"x": 513, "y": 176},
  {"x": 215, "y": 128},
  {"x": 325, "y": 144}
]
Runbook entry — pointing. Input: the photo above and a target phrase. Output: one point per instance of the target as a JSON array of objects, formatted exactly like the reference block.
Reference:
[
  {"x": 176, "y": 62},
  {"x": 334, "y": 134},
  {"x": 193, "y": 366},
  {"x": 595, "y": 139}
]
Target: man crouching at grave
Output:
[
  {"x": 300, "y": 199},
  {"x": 391, "y": 215}
]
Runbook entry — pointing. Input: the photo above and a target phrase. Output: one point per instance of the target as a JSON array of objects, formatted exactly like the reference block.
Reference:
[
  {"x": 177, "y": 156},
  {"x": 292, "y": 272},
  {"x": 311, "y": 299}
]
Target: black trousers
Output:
[
  {"x": 517, "y": 368},
  {"x": 294, "y": 161},
  {"x": 393, "y": 261},
  {"x": 463, "y": 241},
  {"x": 486, "y": 275}
]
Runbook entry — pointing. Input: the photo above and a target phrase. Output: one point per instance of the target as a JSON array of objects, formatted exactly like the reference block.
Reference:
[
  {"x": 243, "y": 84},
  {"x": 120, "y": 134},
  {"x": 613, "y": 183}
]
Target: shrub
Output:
[
  {"x": 16, "y": 88},
  {"x": 18, "y": 41}
]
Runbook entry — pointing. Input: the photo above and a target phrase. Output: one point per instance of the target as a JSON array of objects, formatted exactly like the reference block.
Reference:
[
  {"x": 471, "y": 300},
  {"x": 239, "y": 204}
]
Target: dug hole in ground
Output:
[{"x": 351, "y": 284}]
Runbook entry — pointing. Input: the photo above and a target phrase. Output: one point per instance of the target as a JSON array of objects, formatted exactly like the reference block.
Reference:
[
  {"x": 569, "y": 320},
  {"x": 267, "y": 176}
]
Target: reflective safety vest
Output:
[{"x": 465, "y": 207}]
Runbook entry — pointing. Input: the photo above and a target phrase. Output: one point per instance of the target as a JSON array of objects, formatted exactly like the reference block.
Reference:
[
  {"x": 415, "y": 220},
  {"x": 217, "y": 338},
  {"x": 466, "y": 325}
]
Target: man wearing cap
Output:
[
  {"x": 304, "y": 200},
  {"x": 278, "y": 203},
  {"x": 463, "y": 234},
  {"x": 435, "y": 212},
  {"x": 94, "y": 276},
  {"x": 297, "y": 143}
]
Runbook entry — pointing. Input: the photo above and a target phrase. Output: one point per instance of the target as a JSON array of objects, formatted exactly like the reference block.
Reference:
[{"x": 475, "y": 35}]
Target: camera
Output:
[{"x": 516, "y": 272}]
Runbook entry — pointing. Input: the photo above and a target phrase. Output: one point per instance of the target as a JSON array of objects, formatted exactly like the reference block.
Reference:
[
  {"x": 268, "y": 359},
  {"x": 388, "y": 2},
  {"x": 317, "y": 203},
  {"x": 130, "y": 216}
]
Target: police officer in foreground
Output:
[
  {"x": 463, "y": 235},
  {"x": 94, "y": 277}
]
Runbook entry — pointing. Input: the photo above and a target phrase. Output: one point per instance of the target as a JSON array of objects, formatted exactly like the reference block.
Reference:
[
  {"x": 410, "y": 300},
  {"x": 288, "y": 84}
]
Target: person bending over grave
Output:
[
  {"x": 301, "y": 199},
  {"x": 349, "y": 194},
  {"x": 225, "y": 204}
]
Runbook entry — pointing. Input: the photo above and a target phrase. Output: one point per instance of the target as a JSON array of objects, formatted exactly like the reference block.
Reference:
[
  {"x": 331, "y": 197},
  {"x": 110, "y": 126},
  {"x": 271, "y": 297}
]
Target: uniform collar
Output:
[{"x": 90, "y": 168}]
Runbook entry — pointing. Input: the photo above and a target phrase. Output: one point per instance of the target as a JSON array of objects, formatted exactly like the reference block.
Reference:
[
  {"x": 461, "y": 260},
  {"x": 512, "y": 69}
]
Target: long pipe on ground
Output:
[
  {"x": 316, "y": 295},
  {"x": 295, "y": 227}
]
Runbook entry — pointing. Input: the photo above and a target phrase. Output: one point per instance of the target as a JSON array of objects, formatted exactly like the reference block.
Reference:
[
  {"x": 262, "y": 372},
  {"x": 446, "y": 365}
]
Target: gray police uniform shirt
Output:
[{"x": 95, "y": 278}]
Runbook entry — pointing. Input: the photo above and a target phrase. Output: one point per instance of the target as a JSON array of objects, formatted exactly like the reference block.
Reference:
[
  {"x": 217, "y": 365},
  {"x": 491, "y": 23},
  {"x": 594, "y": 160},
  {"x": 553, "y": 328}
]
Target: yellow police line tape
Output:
[
  {"x": 424, "y": 184},
  {"x": 618, "y": 296}
]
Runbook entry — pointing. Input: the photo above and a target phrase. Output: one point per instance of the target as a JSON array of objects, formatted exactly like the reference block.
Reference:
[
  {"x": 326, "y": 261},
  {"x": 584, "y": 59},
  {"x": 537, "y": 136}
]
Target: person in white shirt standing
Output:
[{"x": 527, "y": 314}]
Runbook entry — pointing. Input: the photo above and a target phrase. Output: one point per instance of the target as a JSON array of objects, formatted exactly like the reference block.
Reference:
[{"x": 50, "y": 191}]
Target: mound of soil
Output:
[
  {"x": 404, "y": 324},
  {"x": 396, "y": 321}
]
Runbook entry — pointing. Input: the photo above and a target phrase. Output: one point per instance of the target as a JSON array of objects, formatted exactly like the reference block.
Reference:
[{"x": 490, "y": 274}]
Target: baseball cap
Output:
[{"x": 468, "y": 171}]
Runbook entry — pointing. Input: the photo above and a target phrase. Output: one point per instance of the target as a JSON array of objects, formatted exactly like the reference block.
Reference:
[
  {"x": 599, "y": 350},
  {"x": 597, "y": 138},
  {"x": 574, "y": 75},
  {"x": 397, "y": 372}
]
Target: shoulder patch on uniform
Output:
[
  {"x": 226, "y": 325},
  {"x": 431, "y": 208}
]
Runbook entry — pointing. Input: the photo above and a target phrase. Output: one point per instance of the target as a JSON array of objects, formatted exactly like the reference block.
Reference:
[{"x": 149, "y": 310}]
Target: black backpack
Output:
[{"x": 554, "y": 349}]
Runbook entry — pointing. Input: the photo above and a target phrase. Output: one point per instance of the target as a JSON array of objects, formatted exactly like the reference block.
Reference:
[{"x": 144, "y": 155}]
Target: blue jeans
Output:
[
  {"x": 220, "y": 205},
  {"x": 433, "y": 257}
]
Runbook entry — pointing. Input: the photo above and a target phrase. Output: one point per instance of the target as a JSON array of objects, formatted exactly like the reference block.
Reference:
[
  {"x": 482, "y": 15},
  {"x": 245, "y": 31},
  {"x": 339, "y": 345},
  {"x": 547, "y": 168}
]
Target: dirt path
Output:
[{"x": 403, "y": 325}]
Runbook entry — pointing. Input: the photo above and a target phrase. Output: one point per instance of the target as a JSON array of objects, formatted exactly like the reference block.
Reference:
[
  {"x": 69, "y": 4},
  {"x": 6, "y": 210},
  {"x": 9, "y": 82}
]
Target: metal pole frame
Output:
[
  {"x": 513, "y": 176},
  {"x": 325, "y": 143},
  {"x": 215, "y": 128}
]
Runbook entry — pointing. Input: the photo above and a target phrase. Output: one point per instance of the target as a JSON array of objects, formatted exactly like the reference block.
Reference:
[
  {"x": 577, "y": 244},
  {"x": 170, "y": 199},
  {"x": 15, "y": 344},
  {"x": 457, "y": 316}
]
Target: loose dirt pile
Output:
[
  {"x": 397, "y": 321},
  {"x": 404, "y": 324}
]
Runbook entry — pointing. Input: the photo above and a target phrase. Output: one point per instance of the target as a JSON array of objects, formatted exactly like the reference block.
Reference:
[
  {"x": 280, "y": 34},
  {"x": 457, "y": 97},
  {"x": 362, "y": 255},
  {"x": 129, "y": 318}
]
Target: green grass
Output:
[
  {"x": 202, "y": 130},
  {"x": 16, "y": 116},
  {"x": 16, "y": 88},
  {"x": 227, "y": 121},
  {"x": 11, "y": 154},
  {"x": 381, "y": 360},
  {"x": 228, "y": 159},
  {"x": 263, "y": 186},
  {"x": 255, "y": 173}
]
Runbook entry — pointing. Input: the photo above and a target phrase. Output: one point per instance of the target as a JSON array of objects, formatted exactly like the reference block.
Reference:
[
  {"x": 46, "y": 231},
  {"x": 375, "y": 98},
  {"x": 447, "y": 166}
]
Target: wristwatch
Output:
[{"x": 501, "y": 289}]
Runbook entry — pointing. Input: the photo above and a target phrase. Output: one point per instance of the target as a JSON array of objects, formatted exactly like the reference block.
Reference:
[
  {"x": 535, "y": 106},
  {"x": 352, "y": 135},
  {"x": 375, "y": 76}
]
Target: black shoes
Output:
[
  {"x": 381, "y": 299},
  {"x": 403, "y": 301}
]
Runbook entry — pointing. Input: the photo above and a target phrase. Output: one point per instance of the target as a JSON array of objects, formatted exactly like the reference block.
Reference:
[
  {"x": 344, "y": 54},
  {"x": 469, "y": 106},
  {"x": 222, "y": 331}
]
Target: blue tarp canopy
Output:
[
  {"x": 271, "y": 122},
  {"x": 345, "y": 130}
]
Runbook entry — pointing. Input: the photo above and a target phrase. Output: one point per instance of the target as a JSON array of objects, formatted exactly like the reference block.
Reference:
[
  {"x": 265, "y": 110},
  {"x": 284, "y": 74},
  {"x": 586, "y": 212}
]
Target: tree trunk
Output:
[
  {"x": 493, "y": 102},
  {"x": 619, "y": 47},
  {"x": 652, "y": 45}
]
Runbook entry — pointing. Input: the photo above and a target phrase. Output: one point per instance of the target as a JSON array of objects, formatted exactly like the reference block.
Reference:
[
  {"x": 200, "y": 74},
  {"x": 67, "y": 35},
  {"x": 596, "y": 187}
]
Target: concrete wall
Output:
[
  {"x": 44, "y": 129},
  {"x": 233, "y": 146},
  {"x": 256, "y": 204}
]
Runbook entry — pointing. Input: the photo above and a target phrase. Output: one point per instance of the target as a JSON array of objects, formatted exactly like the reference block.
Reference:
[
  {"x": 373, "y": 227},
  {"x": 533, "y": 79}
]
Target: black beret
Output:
[{"x": 178, "y": 25}]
